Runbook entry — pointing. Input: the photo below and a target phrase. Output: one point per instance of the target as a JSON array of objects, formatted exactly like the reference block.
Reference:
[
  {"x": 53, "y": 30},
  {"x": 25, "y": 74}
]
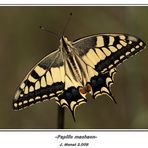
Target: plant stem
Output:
[{"x": 61, "y": 111}]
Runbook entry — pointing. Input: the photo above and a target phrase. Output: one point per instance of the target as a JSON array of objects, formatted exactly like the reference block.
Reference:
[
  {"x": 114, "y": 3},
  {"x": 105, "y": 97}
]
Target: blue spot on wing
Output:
[
  {"x": 71, "y": 94},
  {"x": 97, "y": 82}
]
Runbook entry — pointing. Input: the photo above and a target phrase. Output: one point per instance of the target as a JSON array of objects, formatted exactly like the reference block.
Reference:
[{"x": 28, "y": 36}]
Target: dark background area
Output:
[{"x": 23, "y": 44}]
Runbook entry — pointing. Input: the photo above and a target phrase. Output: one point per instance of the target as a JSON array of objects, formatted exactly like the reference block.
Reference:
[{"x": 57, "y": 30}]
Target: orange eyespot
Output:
[
  {"x": 88, "y": 87},
  {"x": 82, "y": 90}
]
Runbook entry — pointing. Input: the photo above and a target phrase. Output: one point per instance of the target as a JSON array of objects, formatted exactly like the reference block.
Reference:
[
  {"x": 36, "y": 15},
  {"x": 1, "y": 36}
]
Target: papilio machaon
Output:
[{"x": 75, "y": 69}]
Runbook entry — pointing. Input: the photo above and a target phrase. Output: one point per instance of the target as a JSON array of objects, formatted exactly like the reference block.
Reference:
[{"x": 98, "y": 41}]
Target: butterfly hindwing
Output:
[
  {"x": 101, "y": 84},
  {"x": 71, "y": 98},
  {"x": 44, "y": 81}
]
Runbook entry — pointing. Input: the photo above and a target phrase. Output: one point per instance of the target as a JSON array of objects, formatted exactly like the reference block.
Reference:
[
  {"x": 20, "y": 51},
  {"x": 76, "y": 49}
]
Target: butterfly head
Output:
[{"x": 66, "y": 45}]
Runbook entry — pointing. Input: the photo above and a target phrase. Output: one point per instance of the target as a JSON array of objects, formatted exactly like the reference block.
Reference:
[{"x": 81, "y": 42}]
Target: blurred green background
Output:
[{"x": 23, "y": 44}]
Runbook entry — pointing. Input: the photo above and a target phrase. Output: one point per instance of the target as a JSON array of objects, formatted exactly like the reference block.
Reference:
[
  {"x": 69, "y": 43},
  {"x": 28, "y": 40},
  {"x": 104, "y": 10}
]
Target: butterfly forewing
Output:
[
  {"x": 44, "y": 81},
  {"x": 106, "y": 51}
]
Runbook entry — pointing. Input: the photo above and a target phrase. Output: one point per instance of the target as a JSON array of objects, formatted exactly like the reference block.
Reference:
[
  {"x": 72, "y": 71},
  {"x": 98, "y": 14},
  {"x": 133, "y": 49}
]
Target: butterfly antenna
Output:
[
  {"x": 68, "y": 20},
  {"x": 51, "y": 32}
]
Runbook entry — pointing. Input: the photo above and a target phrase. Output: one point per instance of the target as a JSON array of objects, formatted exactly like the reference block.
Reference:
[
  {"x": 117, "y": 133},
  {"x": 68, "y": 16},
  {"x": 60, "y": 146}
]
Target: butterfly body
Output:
[{"x": 75, "y": 69}]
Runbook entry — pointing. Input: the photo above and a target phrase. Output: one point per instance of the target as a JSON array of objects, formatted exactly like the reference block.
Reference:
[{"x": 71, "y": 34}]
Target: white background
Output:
[
  {"x": 73, "y": 2},
  {"x": 46, "y": 139}
]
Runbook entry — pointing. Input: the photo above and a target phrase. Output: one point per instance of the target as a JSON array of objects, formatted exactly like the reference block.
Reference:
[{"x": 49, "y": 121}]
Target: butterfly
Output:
[{"x": 84, "y": 66}]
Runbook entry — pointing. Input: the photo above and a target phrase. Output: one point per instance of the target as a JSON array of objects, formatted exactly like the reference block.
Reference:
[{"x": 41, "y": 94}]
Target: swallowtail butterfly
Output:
[{"x": 75, "y": 69}]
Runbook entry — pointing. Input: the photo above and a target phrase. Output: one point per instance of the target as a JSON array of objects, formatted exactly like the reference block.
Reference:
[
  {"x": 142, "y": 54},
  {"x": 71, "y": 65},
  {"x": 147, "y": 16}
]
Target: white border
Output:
[
  {"x": 73, "y": 2},
  {"x": 46, "y": 139}
]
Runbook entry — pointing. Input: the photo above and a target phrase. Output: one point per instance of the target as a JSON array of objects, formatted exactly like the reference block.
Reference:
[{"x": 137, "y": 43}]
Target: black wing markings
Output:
[
  {"x": 102, "y": 52},
  {"x": 113, "y": 49},
  {"x": 34, "y": 88}
]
